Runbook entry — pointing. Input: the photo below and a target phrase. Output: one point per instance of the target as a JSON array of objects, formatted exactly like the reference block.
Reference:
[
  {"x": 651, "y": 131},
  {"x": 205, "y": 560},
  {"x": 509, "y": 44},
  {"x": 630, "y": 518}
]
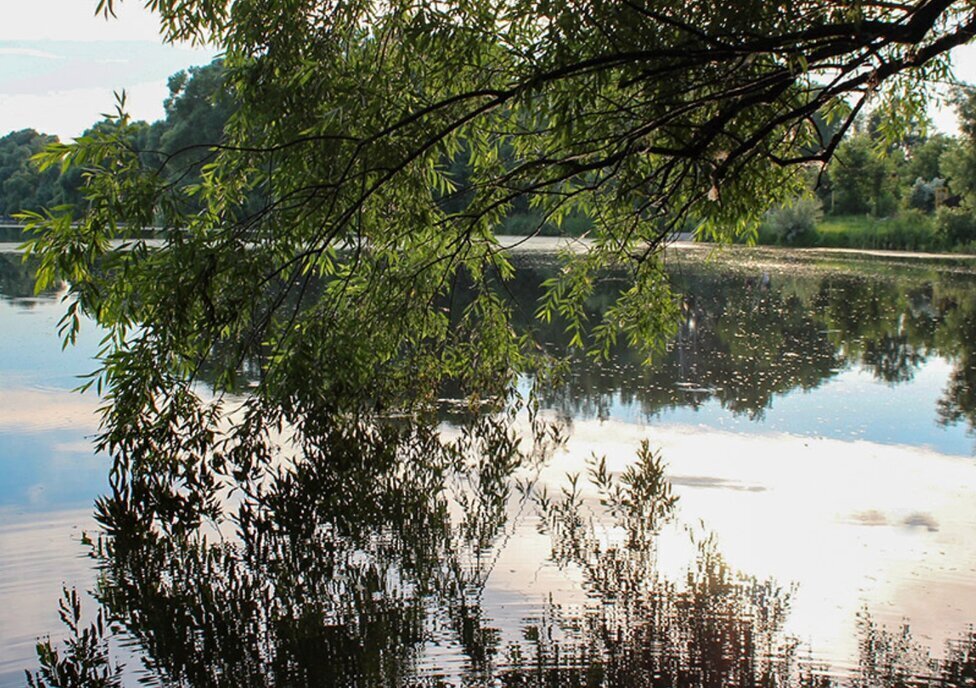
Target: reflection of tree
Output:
[
  {"x": 886, "y": 325},
  {"x": 958, "y": 338},
  {"x": 892, "y": 325},
  {"x": 348, "y": 563},
  {"x": 343, "y": 563},
  {"x": 743, "y": 337},
  {"x": 335, "y": 565},
  {"x": 959, "y": 666},
  {"x": 740, "y": 340},
  {"x": 746, "y": 335},
  {"x": 16, "y": 277},
  {"x": 893, "y": 359},
  {"x": 714, "y": 628}
]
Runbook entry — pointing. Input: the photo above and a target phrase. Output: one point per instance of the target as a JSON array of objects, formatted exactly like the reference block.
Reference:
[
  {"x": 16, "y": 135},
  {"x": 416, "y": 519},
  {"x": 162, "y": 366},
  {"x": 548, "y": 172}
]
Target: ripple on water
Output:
[{"x": 39, "y": 554}]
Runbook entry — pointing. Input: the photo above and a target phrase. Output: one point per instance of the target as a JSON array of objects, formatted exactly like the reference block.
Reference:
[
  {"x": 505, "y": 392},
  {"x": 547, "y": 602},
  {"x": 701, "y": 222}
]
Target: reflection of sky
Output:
[
  {"x": 38, "y": 555},
  {"x": 850, "y": 490},
  {"x": 48, "y": 474},
  {"x": 852, "y": 523},
  {"x": 851, "y": 405},
  {"x": 46, "y": 460}
]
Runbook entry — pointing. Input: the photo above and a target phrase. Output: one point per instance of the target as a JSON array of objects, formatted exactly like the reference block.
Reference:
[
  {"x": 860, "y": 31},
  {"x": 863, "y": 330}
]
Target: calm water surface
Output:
[{"x": 815, "y": 419}]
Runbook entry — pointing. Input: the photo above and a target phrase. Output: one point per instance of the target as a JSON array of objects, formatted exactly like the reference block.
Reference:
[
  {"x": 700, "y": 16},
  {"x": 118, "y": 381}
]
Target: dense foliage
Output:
[
  {"x": 915, "y": 192},
  {"x": 22, "y": 186},
  {"x": 329, "y": 239},
  {"x": 874, "y": 193}
]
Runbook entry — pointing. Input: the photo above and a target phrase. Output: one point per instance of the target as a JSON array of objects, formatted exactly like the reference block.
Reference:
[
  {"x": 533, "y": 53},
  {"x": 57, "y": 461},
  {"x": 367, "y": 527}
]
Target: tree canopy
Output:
[
  {"x": 21, "y": 185},
  {"x": 329, "y": 236}
]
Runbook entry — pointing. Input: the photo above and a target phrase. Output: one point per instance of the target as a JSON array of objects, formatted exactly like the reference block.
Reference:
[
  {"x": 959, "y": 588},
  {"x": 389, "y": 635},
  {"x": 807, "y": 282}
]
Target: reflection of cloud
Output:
[
  {"x": 713, "y": 482},
  {"x": 35, "y": 493},
  {"x": 30, "y": 52},
  {"x": 30, "y": 410},
  {"x": 77, "y": 447},
  {"x": 919, "y": 519},
  {"x": 871, "y": 517},
  {"x": 805, "y": 522}
]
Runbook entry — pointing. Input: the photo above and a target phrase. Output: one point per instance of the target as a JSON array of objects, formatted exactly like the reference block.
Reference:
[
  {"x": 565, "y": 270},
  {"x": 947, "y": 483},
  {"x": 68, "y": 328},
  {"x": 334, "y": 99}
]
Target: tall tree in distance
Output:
[
  {"x": 641, "y": 114},
  {"x": 197, "y": 109}
]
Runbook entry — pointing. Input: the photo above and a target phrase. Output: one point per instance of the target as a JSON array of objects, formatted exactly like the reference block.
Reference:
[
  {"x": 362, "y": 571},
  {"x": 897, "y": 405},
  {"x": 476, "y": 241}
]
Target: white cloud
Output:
[
  {"x": 74, "y": 20},
  {"x": 943, "y": 114},
  {"x": 38, "y": 411},
  {"x": 69, "y": 113},
  {"x": 30, "y": 52},
  {"x": 62, "y": 88}
]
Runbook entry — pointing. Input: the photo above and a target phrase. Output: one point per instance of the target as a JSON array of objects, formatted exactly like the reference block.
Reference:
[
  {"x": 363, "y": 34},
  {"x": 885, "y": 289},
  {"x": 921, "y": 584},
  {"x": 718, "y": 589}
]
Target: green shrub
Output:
[
  {"x": 530, "y": 222},
  {"x": 793, "y": 224},
  {"x": 912, "y": 230},
  {"x": 523, "y": 224},
  {"x": 955, "y": 226}
]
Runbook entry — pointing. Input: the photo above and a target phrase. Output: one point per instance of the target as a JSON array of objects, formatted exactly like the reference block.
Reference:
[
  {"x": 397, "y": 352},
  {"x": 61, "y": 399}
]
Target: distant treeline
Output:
[
  {"x": 918, "y": 192},
  {"x": 197, "y": 109}
]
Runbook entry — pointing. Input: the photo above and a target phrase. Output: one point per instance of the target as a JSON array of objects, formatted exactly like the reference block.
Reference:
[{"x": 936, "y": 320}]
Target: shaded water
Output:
[{"x": 813, "y": 419}]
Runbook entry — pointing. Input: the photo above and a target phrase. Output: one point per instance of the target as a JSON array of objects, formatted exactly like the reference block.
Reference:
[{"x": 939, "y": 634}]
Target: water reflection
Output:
[
  {"x": 715, "y": 627},
  {"x": 373, "y": 555},
  {"x": 365, "y": 562},
  {"x": 751, "y": 333},
  {"x": 16, "y": 277},
  {"x": 342, "y": 566}
]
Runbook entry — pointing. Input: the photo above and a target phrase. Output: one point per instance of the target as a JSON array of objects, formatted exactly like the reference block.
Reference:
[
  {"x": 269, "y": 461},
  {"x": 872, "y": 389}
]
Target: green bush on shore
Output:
[
  {"x": 912, "y": 230},
  {"x": 950, "y": 229},
  {"x": 955, "y": 226},
  {"x": 531, "y": 223},
  {"x": 793, "y": 224},
  {"x": 801, "y": 224}
]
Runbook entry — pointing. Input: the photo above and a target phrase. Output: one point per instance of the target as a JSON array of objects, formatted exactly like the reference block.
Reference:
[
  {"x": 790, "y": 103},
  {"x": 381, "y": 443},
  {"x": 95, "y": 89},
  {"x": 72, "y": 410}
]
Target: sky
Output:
[{"x": 60, "y": 65}]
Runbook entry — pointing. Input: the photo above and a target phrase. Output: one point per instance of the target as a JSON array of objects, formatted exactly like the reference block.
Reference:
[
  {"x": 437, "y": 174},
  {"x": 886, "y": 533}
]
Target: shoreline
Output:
[
  {"x": 540, "y": 244},
  {"x": 549, "y": 244}
]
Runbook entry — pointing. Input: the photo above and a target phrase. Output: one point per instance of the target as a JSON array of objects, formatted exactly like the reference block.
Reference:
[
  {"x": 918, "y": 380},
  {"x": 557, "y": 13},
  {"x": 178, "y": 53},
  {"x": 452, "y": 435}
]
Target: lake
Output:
[{"x": 783, "y": 497}]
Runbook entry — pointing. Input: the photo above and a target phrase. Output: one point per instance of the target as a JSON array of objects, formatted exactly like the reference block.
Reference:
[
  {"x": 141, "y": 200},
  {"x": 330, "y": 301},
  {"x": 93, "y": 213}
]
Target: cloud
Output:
[
  {"x": 68, "y": 113},
  {"x": 29, "y": 52},
  {"x": 63, "y": 87}
]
